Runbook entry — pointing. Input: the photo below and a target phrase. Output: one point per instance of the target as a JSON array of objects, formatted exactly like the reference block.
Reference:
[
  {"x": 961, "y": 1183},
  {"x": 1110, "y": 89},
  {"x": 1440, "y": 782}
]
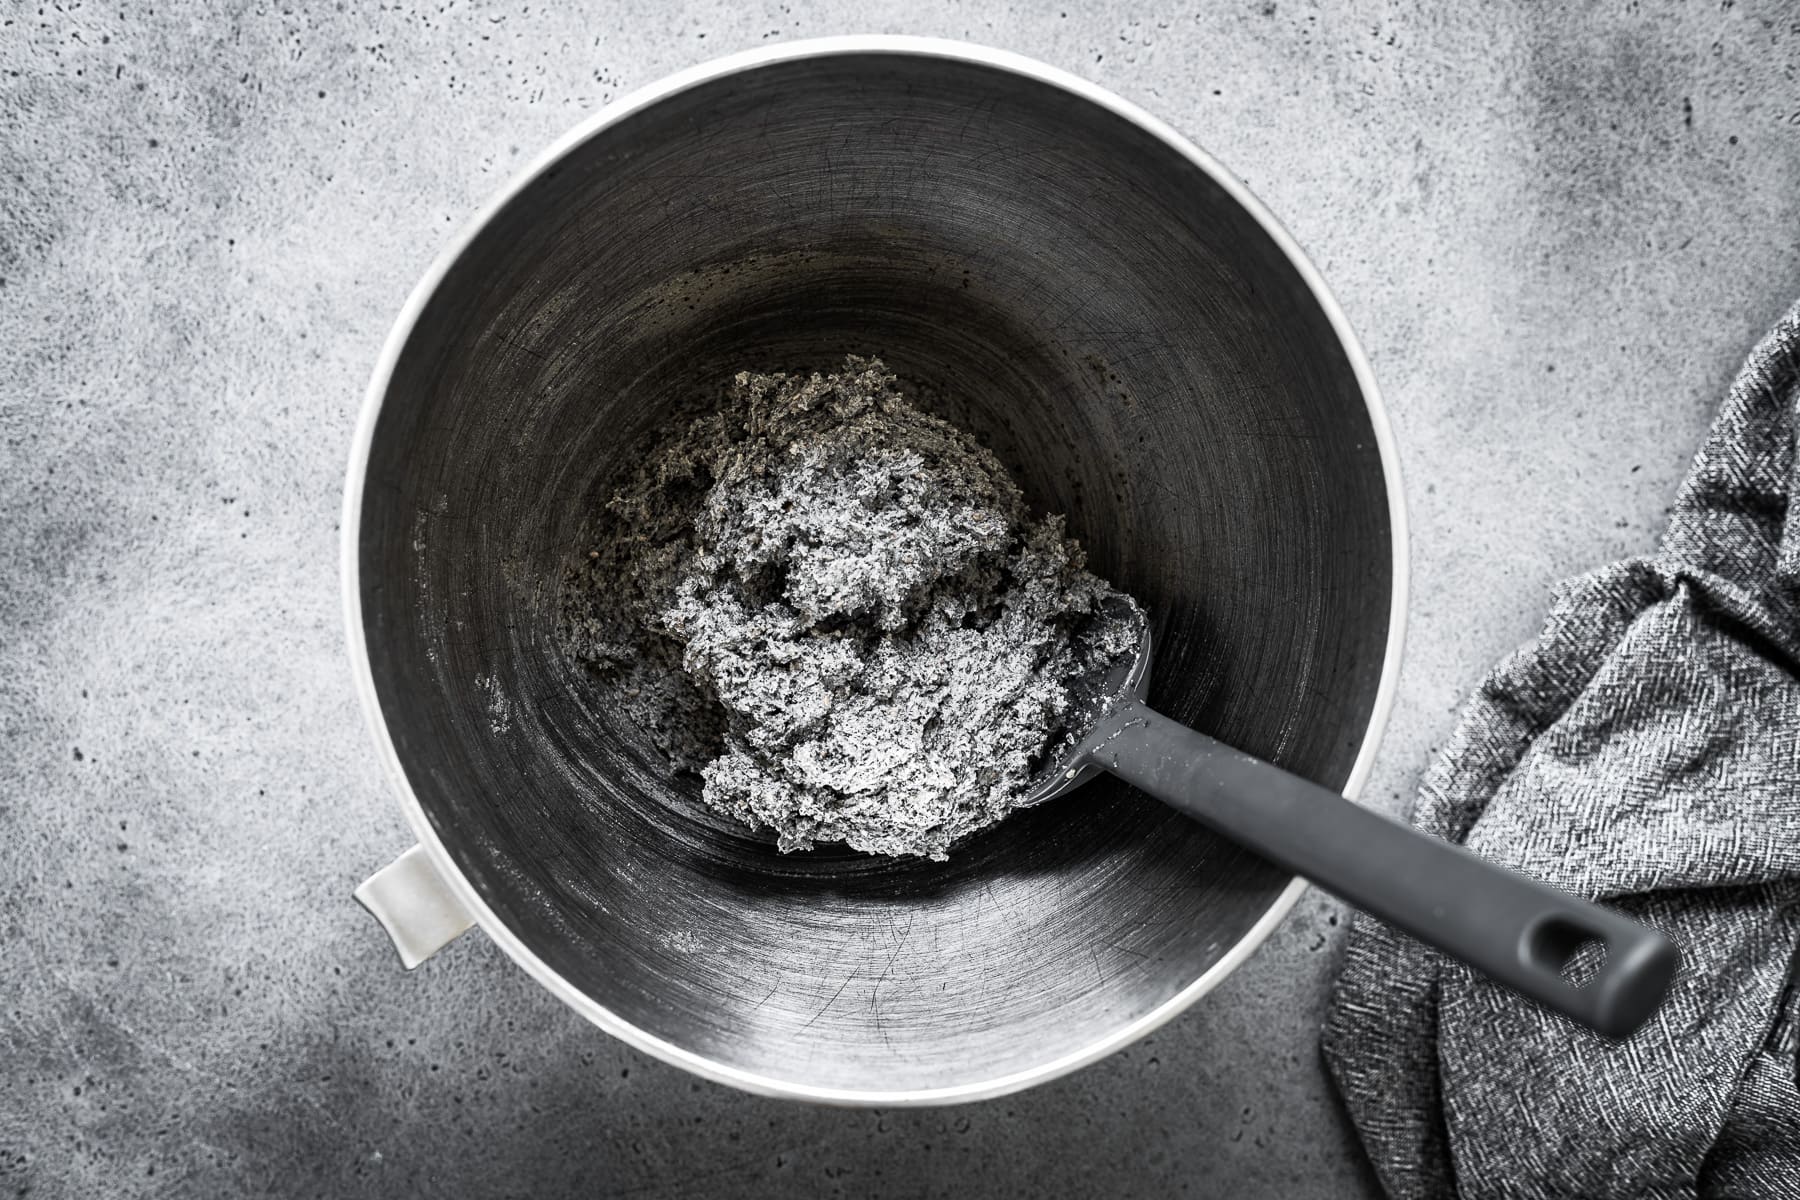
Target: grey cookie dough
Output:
[{"x": 837, "y": 610}]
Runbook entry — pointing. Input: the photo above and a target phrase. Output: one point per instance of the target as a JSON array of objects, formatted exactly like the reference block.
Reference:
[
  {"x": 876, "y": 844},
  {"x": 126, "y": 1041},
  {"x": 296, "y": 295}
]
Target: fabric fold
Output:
[{"x": 1644, "y": 750}]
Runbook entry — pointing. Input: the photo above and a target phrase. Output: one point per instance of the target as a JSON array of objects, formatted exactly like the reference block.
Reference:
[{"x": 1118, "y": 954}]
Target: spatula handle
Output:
[{"x": 1517, "y": 930}]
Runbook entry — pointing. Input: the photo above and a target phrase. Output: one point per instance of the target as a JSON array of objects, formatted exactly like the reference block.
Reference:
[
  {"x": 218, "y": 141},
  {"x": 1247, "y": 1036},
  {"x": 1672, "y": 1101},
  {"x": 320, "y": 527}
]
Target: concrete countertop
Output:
[{"x": 1557, "y": 231}]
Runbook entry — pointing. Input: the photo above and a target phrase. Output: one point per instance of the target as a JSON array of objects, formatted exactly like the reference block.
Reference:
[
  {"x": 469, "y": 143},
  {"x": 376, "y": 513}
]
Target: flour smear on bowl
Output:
[{"x": 836, "y": 609}]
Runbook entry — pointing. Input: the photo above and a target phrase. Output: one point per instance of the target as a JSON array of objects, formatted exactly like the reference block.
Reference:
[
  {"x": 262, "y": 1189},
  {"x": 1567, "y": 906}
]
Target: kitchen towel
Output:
[{"x": 1644, "y": 751}]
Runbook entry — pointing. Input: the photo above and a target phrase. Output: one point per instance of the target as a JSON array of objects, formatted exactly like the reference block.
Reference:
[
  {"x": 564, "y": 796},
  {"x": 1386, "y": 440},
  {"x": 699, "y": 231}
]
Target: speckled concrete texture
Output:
[{"x": 1557, "y": 230}]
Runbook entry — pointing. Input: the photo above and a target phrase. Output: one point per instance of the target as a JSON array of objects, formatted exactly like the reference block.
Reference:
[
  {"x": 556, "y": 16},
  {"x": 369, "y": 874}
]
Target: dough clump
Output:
[{"x": 836, "y": 608}]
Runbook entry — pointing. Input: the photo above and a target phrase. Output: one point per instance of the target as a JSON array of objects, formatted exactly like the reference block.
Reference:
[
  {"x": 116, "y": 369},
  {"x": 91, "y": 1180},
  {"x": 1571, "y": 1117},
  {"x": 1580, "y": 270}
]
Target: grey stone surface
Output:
[{"x": 1557, "y": 230}]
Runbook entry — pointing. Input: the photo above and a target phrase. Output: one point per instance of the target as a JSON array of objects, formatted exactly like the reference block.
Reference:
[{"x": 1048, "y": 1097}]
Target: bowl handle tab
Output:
[{"x": 416, "y": 907}]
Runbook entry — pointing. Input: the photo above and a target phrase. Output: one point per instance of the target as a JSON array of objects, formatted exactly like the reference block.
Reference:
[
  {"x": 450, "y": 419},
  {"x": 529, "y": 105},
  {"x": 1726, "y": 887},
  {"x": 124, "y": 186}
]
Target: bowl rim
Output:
[{"x": 362, "y": 440}]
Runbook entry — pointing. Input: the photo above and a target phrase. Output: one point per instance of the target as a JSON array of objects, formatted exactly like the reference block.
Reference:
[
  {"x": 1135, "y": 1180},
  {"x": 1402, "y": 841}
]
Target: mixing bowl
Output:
[{"x": 1045, "y": 265}]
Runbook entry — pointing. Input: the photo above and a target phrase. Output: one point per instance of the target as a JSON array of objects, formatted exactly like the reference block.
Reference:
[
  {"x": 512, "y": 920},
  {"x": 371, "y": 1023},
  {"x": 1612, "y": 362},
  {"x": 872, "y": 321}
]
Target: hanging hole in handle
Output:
[{"x": 1567, "y": 949}]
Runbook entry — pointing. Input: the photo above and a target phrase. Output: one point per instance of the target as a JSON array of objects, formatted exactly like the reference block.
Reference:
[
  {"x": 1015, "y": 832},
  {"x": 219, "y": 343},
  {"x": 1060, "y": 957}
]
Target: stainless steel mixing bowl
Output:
[{"x": 1046, "y": 265}]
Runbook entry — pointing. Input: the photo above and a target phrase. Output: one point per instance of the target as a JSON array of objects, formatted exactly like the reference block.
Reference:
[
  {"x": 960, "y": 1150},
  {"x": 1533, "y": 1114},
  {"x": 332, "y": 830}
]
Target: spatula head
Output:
[{"x": 1126, "y": 680}]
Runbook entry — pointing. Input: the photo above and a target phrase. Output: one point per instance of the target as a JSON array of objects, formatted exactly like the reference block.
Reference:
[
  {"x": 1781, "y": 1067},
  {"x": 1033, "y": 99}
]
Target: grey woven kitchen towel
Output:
[{"x": 1645, "y": 750}]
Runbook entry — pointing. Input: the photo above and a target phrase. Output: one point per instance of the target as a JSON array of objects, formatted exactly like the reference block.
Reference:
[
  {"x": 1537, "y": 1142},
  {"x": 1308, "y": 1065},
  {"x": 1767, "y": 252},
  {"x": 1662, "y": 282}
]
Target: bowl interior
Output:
[{"x": 1084, "y": 298}]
